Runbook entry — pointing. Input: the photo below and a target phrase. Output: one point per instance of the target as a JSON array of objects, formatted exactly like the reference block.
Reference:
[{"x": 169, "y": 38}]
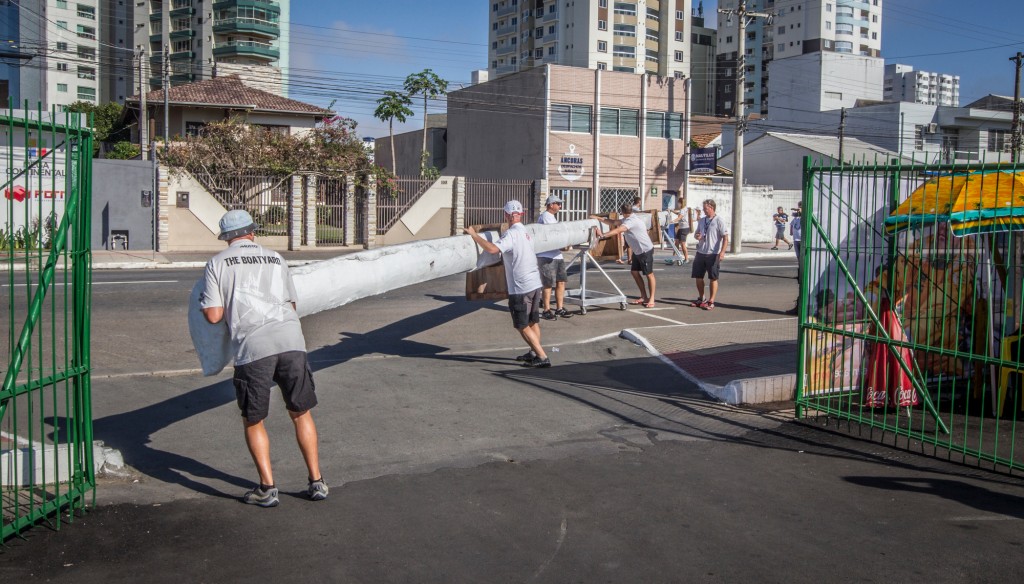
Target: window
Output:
[
  {"x": 652, "y": 13},
  {"x": 728, "y": 39},
  {"x": 624, "y": 69},
  {"x": 62, "y": 87},
  {"x": 619, "y": 122},
  {"x": 494, "y": 44},
  {"x": 87, "y": 12},
  {"x": 828, "y": 25},
  {"x": 88, "y": 93},
  {"x": 513, "y": 41},
  {"x": 874, "y": 36},
  {"x": 781, "y": 48},
  {"x": 919, "y": 137},
  {"x": 512, "y": 61},
  {"x": 998, "y": 140},
  {"x": 62, "y": 66},
  {"x": 63, "y": 47},
  {"x": 655, "y": 125},
  {"x": 602, "y": 25},
  {"x": 624, "y": 51},
  {"x": 494, "y": 26},
  {"x": 602, "y": 66},
  {"x": 86, "y": 72},
  {"x": 539, "y": 33},
  {"x": 551, "y": 50},
  {"x": 494, "y": 8},
  {"x": 551, "y": 29},
  {"x": 679, "y": 15},
  {"x": 627, "y": 8},
  {"x": 539, "y": 53},
  {"x": 679, "y": 56},
  {"x": 552, "y": 8},
  {"x": 86, "y": 53},
  {"x": 62, "y": 24},
  {"x": 62, "y": 4},
  {"x": 571, "y": 117},
  {"x": 828, "y": 7},
  {"x": 874, "y": 18},
  {"x": 679, "y": 35},
  {"x": 515, "y": 21},
  {"x": 625, "y": 30},
  {"x": 602, "y": 46},
  {"x": 494, "y": 64},
  {"x": 602, "y": 3}
]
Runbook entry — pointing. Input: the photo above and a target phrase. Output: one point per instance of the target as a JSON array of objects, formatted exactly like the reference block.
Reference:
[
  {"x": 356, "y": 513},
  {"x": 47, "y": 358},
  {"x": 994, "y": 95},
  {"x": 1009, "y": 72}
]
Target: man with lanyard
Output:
[
  {"x": 552, "y": 266},
  {"x": 251, "y": 289},
  {"x": 523, "y": 280},
  {"x": 635, "y": 232},
  {"x": 780, "y": 218},
  {"x": 712, "y": 238}
]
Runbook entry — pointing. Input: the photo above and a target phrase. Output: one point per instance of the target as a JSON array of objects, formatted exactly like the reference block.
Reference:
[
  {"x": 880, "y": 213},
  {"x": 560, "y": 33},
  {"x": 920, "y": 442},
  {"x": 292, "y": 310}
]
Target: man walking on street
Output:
[
  {"x": 523, "y": 280},
  {"x": 634, "y": 231},
  {"x": 250, "y": 288},
  {"x": 796, "y": 230},
  {"x": 780, "y": 219},
  {"x": 552, "y": 266},
  {"x": 712, "y": 238}
]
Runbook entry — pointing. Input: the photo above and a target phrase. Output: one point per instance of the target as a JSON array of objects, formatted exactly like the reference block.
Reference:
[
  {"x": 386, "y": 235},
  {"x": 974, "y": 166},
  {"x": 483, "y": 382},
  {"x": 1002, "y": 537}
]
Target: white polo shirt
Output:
[{"x": 636, "y": 234}]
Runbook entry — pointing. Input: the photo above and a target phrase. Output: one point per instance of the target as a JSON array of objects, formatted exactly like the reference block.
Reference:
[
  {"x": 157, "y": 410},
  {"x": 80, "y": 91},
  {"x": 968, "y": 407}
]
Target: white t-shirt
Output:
[
  {"x": 521, "y": 273},
  {"x": 712, "y": 230},
  {"x": 255, "y": 289},
  {"x": 684, "y": 217},
  {"x": 636, "y": 234},
  {"x": 547, "y": 218}
]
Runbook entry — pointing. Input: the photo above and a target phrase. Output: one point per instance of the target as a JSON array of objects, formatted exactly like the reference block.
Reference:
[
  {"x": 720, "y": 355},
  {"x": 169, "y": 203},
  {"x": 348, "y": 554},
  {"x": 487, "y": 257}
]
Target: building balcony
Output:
[
  {"x": 178, "y": 78},
  {"x": 255, "y": 26},
  {"x": 180, "y": 35},
  {"x": 507, "y": 29},
  {"x": 505, "y": 50},
  {"x": 504, "y": 69},
  {"x": 156, "y": 37},
  {"x": 267, "y": 6},
  {"x": 507, "y": 9},
  {"x": 550, "y": 17},
  {"x": 247, "y": 49},
  {"x": 179, "y": 12}
]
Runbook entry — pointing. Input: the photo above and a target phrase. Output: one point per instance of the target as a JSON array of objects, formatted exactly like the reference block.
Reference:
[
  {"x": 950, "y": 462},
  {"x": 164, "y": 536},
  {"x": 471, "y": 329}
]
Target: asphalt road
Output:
[{"x": 450, "y": 463}]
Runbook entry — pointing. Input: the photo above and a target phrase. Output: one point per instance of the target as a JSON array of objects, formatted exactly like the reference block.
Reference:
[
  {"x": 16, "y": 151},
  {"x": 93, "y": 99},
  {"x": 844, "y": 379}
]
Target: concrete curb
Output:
[{"x": 753, "y": 390}]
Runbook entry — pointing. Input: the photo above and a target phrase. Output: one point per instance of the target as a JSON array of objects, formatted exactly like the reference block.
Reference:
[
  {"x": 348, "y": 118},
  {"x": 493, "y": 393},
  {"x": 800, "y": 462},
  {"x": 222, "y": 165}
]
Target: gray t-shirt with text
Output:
[{"x": 255, "y": 289}]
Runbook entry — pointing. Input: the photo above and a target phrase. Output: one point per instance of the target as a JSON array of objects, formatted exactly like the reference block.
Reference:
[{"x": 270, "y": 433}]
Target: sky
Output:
[{"x": 346, "y": 53}]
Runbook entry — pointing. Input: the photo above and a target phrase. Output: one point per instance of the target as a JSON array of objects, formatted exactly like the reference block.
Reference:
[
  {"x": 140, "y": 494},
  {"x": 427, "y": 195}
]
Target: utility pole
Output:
[
  {"x": 743, "y": 18},
  {"x": 1015, "y": 130},
  {"x": 143, "y": 112},
  {"x": 167, "y": 98},
  {"x": 842, "y": 132}
]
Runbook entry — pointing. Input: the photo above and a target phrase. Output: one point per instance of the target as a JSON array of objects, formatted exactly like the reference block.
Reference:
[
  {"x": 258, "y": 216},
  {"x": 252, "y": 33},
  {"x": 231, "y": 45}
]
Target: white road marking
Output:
[
  {"x": 646, "y": 313},
  {"x": 768, "y": 267}
]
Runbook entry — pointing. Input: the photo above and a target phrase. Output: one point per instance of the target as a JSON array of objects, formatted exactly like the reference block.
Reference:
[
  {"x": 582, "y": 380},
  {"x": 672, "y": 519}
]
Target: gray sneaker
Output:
[
  {"x": 527, "y": 356},
  {"x": 261, "y": 498},
  {"x": 317, "y": 490}
]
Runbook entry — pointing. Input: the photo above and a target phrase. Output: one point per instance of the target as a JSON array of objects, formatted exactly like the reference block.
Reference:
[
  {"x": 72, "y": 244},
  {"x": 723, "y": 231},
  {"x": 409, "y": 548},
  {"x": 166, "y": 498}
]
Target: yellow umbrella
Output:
[{"x": 972, "y": 203}]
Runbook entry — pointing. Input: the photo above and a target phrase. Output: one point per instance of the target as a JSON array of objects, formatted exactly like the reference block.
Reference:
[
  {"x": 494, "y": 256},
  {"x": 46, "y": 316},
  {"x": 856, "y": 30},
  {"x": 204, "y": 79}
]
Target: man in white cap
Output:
[
  {"x": 552, "y": 266},
  {"x": 251, "y": 289},
  {"x": 523, "y": 280}
]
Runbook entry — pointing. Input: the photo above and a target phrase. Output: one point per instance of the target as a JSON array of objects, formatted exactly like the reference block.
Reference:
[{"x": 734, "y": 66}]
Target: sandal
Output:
[
  {"x": 619, "y": 262},
  {"x": 708, "y": 306},
  {"x": 638, "y": 301},
  {"x": 698, "y": 303},
  {"x": 649, "y": 304}
]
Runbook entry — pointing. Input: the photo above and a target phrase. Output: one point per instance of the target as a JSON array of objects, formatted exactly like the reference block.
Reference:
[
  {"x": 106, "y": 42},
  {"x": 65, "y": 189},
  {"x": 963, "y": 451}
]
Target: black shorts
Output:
[
  {"x": 705, "y": 263},
  {"x": 552, "y": 270},
  {"x": 681, "y": 234},
  {"x": 643, "y": 262},
  {"x": 290, "y": 370},
  {"x": 525, "y": 308}
]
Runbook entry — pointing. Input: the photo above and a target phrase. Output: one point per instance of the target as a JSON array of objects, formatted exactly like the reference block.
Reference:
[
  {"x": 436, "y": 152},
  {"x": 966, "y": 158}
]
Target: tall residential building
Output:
[
  {"x": 645, "y": 36},
  {"x": 799, "y": 27},
  {"x": 117, "y": 73},
  {"x": 204, "y": 39},
  {"x": 61, "y": 37},
  {"x": 702, "y": 65},
  {"x": 902, "y": 83}
]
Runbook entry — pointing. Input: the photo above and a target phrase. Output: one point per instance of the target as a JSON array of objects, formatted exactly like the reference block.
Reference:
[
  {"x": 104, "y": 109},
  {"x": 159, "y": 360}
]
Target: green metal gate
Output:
[
  {"x": 46, "y": 455},
  {"x": 910, "y": 306}
]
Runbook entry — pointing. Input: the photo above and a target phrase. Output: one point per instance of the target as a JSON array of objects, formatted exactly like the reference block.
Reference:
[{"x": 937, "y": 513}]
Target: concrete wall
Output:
[
  {"x": 811, "y": 81},
  {"x": 758, "y": 207},
  {"x": 409, "y": 145},
  {"x": 117, "y": 187}
]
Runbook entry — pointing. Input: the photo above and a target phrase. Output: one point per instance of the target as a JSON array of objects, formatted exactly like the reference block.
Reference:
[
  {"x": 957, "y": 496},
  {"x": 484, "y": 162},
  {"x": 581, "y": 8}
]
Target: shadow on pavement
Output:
[
  {"x": 967, "y": 494},
  {"x": 131, "y": 432}
]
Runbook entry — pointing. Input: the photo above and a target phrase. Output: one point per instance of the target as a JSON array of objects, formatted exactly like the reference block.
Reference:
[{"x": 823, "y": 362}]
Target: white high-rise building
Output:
[
  {"x": 643, "y": 36},
  {"x": 903, "y": 83},
  {"x": 62, "y": 39},
  {"x": 852, "y": 28}
]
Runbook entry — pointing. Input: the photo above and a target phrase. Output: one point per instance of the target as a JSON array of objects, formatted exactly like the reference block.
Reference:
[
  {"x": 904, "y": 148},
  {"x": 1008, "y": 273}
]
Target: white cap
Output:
[{"x": 513, "y": 207}]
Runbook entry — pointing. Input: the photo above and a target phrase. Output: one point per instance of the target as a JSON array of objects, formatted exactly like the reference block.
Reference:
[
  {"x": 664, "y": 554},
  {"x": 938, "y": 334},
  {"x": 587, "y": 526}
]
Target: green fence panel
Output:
[
  {"x": 46, "y": 453},
  {"x": 910, "y": 305}
]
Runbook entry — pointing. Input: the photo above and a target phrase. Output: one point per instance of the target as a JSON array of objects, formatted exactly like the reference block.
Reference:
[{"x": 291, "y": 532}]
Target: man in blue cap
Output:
[{"x": 249, "y": 287}]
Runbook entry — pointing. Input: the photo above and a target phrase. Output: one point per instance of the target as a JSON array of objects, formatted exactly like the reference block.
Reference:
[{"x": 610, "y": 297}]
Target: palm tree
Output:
[
  {"x": 393, "y": 106},
  {"x": 427, "y": 84}
]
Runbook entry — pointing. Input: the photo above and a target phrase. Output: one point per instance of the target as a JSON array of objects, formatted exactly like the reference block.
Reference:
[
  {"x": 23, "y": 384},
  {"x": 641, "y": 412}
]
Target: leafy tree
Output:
[
  {"x": 124, "y": 150},
  {"x": 106, "y": 121},
  {"x": 393, "y": 106},
  {"x": 237, "y": 161},
  {"x": 429, "y": 85}
]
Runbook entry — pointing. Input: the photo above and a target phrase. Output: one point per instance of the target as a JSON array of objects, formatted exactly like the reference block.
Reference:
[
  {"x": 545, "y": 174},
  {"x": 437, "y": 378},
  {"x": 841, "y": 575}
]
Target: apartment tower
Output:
[
  {"x": 645, "y": 36},
  {"x": 903, "y": 83},
  {"x": 205, "y": 39},
  {"x": 813, "y": 33}
]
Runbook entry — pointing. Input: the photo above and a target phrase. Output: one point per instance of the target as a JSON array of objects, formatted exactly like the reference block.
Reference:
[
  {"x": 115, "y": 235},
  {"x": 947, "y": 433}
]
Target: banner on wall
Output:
[
  {"x": 703, "y": 160},
  {"x": 35, "y": 194}
]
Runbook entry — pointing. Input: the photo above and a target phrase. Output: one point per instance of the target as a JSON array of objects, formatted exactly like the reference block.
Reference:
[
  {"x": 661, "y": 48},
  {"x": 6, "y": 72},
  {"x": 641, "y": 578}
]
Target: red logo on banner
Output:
[{"x": 18, "y": 193}]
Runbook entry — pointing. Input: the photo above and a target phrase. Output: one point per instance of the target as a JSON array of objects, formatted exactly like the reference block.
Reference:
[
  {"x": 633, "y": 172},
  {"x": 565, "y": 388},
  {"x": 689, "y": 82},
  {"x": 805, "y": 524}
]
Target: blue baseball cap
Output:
[{"x": 236, "y": 223}]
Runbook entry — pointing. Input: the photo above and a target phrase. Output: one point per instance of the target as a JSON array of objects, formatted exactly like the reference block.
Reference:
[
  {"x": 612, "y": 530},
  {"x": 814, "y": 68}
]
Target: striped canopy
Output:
[{"x": 972, "y": 203}]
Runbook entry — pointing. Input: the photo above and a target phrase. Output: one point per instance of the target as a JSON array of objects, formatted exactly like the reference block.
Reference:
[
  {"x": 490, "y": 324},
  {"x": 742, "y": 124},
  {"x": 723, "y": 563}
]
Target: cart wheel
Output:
[
  {"x": 622, "y": 306},
  {"x": 583, "y": 310}
]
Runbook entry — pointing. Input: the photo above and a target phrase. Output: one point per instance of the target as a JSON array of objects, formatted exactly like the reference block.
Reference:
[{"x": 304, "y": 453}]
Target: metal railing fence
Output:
[
  {"x": 910, "y": 306},
  {"x": 395, "y": 197},
  {"x": 485, "y": 200},
  {"x": 46, "y": 453}
]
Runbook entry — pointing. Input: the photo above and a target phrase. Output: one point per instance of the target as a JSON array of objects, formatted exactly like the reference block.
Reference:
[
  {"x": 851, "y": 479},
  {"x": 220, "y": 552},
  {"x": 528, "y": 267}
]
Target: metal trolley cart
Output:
[{"x": 581, "y": 296}]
